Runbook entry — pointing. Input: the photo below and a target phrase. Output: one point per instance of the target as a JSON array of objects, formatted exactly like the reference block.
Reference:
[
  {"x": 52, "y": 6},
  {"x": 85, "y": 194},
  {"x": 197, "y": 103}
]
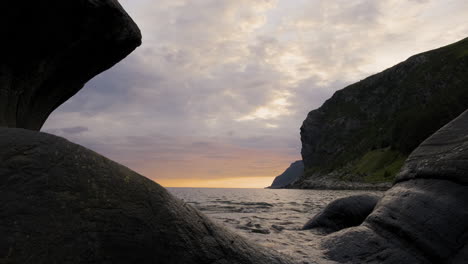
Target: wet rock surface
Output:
[
  {"x": 62, "y": 203},
  {"x": 343, "y": 213},
  {"x": 424, "y": 217},
  {"x": 51, "y": 49}
]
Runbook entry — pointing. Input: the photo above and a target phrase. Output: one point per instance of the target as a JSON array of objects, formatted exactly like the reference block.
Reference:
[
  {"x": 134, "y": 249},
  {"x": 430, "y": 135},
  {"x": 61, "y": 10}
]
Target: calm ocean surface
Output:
[{"x": 272, "y": 218}]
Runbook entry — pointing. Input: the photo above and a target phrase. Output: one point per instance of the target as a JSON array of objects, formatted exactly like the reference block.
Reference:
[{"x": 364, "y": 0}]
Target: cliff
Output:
[
  {"x": 364, "y": 132},
  {"x": 294, "y": 171}
]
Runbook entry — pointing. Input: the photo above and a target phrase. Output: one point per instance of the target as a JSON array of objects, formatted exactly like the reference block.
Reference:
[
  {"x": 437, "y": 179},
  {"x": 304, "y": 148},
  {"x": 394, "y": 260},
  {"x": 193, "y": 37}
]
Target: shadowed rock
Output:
[
  {"x": 343, "y": 213},
  {"x": 62, "y": 203},
  {"x": 50, "y": 49},
  {"x": 424, "y": 217}
]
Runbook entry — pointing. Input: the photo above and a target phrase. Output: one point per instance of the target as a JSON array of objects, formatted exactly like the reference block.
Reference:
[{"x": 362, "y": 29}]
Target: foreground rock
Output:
[
  {"x": 52, "y": 48},
  {"x": 343, "y": 213},
  {"x": 62, "y": 203},
  {"x": 294, "y": 171},
  {"x": 424, "y": 217}
]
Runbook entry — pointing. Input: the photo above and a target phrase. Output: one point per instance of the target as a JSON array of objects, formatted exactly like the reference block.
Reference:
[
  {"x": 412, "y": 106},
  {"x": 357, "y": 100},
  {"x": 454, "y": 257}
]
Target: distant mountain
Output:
[
  {"x": 365, "y": 131},
  {"x": 295, "y": 171}
]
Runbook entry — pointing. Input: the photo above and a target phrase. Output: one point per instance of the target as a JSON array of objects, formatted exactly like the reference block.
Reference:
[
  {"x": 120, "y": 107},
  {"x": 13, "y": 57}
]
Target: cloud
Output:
[{"x": 225, "y": 85}]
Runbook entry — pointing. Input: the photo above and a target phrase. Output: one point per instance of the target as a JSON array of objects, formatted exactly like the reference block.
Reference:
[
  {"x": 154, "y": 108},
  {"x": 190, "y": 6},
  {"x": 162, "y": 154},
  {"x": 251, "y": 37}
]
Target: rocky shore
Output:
[{"x": 328, "y": 182}]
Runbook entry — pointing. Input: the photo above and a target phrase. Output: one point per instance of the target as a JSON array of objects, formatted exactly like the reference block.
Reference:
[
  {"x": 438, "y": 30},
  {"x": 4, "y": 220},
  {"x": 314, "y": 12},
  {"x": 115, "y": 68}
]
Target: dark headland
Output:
[
  {"x": 292, "y": 173},
  {"x": 62, "y": 203}
]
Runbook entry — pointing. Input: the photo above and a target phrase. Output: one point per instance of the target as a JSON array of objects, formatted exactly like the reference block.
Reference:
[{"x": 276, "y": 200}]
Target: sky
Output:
[{"x": 217, "y": 93}]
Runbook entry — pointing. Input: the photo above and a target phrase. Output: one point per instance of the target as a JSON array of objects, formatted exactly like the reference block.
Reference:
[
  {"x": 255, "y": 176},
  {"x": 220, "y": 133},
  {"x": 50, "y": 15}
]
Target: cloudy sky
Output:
[{"x": 217, "y": 93}]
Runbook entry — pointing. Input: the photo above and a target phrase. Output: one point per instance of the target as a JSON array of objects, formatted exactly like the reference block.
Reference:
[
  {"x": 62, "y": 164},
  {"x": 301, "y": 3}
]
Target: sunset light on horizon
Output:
[
  {"x": 218, "y": 91},
  {"x": 240, "y": 182}
]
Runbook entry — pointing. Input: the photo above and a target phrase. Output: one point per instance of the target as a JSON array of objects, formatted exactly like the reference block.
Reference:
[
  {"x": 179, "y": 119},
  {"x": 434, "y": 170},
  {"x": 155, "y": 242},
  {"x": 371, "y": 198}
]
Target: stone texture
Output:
[
  {"x": 343, "y": 213},
  {"x": 62, "y": 203},
  {"x": 424, "y": 217},
  {"x": 50, "y": 49}
]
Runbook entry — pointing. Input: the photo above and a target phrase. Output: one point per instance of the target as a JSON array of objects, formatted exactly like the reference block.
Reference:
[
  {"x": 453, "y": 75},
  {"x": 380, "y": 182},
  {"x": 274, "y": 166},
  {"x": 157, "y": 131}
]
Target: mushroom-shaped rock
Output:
[
  {"x": 62, "y": 203},
  {"x": 50, "y": 49},
  {"x": 424, "y": 217},
  {"x": 343, "y": 213}
]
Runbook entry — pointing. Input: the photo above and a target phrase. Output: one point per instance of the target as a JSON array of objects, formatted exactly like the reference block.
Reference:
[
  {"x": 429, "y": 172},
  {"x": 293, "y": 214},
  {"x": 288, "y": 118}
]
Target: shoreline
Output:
[
  {"x": 333, "y": 184},
  {"x": 338, "y": 188}
]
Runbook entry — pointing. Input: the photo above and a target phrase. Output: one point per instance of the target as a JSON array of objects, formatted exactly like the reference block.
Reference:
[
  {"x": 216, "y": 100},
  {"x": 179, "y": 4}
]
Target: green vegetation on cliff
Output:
[{"x": 366, "y": 130}]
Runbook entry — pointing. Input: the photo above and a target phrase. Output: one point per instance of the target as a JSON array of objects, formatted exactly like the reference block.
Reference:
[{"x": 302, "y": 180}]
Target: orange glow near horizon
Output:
[
  {"x": 239, "y": 182},
  {"x": 218, "y": 165}
]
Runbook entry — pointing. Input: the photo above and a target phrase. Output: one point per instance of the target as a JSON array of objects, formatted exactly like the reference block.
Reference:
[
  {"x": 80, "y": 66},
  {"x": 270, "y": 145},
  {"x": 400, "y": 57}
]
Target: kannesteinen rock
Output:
[
  {"x": 62, "y": 203},
  {"x": 424, "y": 217},
  {"x": 365, "y": 131},
  {"x": 293, "y": 172},
  {"x": 343, "y": 213},
  {"x": 50, "y": 49}
]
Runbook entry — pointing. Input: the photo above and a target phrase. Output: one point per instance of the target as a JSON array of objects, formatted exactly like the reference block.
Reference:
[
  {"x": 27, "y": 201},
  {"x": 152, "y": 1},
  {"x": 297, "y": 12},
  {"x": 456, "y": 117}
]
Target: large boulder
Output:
[
  {"x": 424, "y": 217},
  {"x": 62, "y": 203},
  {"x": 343, "y": 213},
  {"x": 50, "y": 49}
]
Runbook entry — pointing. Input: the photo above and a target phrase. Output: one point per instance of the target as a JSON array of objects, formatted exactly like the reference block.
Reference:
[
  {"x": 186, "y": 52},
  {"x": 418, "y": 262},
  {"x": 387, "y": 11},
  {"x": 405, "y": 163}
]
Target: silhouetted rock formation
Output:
[
  {"x": 343, "y": 213},
  {"x": 51, "y": 49},
  {"x": 62, "y": 203},
  {"x": 294, "y": 171},
  {"x": 424, "y": 217}
]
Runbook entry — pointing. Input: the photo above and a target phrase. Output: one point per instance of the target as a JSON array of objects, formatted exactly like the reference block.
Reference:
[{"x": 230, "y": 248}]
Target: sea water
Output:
[{"x": 269, "y": 217}]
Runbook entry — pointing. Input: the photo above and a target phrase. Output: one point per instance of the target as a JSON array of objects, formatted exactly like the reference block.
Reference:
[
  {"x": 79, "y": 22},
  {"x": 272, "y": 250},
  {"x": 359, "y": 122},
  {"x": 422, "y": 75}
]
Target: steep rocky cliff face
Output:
[
  {"x": 293, "y": 172},
  {"x": 366, "y": 130}
]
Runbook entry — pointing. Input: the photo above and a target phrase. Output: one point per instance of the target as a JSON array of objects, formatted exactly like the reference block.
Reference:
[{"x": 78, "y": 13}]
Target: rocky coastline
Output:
[
  {"x": 330, "y": 183},
  {"x": 63, "y": 203}
]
